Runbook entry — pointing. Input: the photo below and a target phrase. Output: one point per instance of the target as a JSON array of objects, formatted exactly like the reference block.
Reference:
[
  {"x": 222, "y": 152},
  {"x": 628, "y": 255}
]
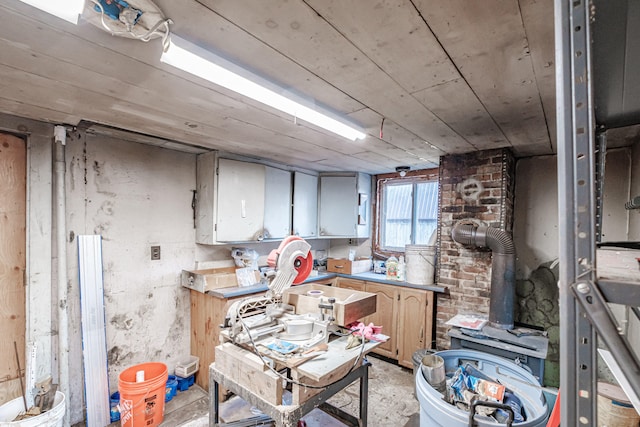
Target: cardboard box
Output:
[
  {"x": 345, "y": 266},
  {"x": 213, "y": 278},
  {"x": 617, "y": 263},
  {"x": 349, "y": 306}
]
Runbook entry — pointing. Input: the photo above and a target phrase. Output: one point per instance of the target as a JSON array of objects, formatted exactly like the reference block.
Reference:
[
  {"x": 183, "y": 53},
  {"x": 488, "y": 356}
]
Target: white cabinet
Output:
[
  {"x": 345, "y": 205},
  {"x": 305, "y": 205},
  {"x": 240, "y": 201},
  {"x": 277, "y": 203},
  {"x": 241, "y": 190}
]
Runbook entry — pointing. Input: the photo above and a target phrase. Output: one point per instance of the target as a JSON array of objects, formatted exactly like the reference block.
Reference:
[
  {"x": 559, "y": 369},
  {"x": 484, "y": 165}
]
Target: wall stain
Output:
[
  {"x": 144, "y": 311},
  {"x": 72, "y": 171},
  {"x": 177, "y": 330},
  {"x": 107, "y": 208},
  {"x": 122, "y": 322},
  {"x": 101, "y": 229},
  {"x": 84, "y": 158},
  {"x": 118, "y": 356}
]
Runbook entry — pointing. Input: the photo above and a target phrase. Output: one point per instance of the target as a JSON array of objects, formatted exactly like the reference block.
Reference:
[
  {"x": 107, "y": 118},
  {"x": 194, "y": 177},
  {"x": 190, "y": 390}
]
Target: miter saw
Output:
[{"x": 254, "y": 318}]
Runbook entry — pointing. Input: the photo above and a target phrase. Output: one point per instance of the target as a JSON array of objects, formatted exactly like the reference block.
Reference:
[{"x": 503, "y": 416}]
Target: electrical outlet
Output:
[
  {"x": 352, "y": 242},
  {"x": 155, "y": 253}
]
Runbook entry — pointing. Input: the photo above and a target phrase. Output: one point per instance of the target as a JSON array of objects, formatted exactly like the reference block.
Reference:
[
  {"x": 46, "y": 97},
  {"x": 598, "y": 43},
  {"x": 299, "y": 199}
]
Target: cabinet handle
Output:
[
  {"x": 421, "y": 333},
  {"x": 243, "y": 208}
]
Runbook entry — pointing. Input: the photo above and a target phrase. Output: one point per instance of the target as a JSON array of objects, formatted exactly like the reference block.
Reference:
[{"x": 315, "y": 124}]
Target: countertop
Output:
[{"x": 369, "y": 276}]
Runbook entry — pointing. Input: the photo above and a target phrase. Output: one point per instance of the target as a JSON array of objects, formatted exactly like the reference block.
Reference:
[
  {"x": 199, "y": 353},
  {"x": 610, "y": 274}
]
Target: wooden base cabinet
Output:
[
  {"x": 207, "y": 314},
  {"x": 405, "y": 314}
]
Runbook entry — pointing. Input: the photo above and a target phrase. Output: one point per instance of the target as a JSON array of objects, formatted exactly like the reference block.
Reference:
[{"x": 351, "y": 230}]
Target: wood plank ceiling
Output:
[{"x": 446, "y": 76}]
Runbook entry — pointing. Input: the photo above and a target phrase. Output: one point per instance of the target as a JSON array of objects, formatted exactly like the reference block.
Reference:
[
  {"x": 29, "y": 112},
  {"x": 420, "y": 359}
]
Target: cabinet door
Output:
[
  {"x": 385, "y": 316},
  {"x": 206, "y": 207},
  {"x": 241, "y": 187},
  {"x": 305, "y": 205},
  {"x": 338, "y": 206},
  {"x": 412, "y": 328},
  {"x": 277, "y": 208}
]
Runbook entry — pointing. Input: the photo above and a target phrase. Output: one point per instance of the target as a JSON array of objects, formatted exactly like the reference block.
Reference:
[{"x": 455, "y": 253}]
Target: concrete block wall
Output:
[
  {"x": 134, "y": 196},
  {"x": 477, "y": 187}
]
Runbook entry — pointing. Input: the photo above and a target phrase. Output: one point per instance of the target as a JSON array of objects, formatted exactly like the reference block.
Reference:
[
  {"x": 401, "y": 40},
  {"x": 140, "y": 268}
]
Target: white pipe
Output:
[{"x": 60, "y": 137}]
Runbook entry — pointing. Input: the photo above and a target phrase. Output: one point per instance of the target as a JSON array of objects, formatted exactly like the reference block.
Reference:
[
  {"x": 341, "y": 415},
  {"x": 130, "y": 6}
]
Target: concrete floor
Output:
[{"x": 392, "y": 402}]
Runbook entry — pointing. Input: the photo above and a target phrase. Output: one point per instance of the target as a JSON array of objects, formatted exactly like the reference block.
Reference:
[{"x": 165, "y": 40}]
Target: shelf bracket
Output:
[{"x": 600, "y": 316}]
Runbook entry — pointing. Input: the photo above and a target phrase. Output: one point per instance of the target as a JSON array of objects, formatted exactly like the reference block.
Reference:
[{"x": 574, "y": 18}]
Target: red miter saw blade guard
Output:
[{"x": 306, "y": 264}]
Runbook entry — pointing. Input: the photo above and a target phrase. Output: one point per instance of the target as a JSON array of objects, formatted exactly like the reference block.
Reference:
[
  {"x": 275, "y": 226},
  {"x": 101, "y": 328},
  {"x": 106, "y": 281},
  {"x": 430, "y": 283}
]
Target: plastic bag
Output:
[{"x": 245, "y": 257}]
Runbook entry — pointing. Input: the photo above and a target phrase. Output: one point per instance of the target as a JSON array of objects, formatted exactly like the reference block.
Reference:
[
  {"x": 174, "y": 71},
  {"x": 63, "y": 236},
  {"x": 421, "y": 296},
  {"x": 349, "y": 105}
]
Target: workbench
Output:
[{"x": 329, "y": 368}]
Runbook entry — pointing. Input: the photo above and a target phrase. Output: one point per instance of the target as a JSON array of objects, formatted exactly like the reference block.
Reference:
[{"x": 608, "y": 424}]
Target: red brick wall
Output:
[{"x": 467, "y": 272}]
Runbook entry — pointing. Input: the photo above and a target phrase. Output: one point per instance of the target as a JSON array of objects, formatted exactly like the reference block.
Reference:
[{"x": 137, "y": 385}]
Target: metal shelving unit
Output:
[{"x": 585, "y": 316}]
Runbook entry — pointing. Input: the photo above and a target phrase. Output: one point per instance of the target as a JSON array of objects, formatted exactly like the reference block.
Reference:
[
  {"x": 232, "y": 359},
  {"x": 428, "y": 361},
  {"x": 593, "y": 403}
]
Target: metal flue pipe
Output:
[{"x": 503, "y": 268}]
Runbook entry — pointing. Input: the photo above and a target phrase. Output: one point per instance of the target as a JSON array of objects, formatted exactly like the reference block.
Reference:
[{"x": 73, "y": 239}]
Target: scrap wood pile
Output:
[{"x": 43, "y": 400}]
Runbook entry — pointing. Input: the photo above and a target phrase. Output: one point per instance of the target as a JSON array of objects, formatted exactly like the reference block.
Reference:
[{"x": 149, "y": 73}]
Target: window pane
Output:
[
  {"x": 396, "y": 216},
  {"x": 426, "y": 211}
]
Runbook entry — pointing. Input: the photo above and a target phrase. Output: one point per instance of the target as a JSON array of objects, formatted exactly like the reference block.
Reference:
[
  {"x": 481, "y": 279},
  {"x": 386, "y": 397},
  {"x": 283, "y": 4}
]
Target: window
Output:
[{"x": 407, "y": 210}]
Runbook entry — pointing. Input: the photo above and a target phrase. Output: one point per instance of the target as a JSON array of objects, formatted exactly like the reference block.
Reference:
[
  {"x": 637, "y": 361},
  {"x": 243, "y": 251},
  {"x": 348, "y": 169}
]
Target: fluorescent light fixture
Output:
[
  {"x": 209, "y": 66},
  {"x": 69, "y": 10}
]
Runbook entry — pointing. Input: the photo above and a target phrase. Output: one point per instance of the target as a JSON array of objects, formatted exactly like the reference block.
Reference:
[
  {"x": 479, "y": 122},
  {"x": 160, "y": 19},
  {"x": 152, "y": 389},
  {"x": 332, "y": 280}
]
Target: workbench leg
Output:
[
  {"x": 364, "y": 394},
  {"x": 214, "y": 405}
]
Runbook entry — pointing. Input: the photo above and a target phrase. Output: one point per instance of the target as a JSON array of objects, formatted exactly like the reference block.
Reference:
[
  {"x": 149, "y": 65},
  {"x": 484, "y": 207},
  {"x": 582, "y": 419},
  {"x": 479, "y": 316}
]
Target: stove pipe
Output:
[{"x": 503, "y": 268}]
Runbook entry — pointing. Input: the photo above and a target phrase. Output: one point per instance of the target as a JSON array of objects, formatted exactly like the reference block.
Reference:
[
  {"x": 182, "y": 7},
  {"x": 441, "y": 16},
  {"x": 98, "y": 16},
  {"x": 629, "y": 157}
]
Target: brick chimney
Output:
[{"x": 476, "y": 187}]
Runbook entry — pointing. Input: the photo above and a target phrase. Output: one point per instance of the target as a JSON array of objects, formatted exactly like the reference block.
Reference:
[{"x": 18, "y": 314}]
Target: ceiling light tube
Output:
[
  {"x": 209, "y": 66},
  {"x": 69, "y": 10}
]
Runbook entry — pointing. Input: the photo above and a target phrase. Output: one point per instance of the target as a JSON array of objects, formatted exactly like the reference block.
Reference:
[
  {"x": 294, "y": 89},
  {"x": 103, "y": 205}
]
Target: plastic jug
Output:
[{"x": 392, "y": 268}]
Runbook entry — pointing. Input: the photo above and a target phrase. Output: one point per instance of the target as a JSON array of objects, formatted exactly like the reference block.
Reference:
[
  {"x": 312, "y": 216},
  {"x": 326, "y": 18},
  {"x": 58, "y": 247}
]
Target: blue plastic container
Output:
[
  {"x": 172, "y": 388},
  {"x": 185, "y": 383},
  {"x": 113, "y": 403},
  {"x": 434, "y": 410}
]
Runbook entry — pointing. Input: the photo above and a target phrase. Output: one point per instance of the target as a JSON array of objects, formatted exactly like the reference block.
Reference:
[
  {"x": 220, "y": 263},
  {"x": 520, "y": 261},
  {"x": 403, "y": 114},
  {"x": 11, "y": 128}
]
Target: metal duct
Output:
[{"x": 503, "y": 268}]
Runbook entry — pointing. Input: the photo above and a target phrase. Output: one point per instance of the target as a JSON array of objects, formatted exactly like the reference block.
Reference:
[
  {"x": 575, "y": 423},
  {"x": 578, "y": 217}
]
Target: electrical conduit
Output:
[
  {"x": 60, "y": 138},
  {"x": 503, "y": 268}
]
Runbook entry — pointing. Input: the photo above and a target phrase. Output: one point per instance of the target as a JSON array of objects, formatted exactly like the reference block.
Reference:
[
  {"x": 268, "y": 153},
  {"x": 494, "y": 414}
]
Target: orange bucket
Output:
[{"x": 142, "y": 401}]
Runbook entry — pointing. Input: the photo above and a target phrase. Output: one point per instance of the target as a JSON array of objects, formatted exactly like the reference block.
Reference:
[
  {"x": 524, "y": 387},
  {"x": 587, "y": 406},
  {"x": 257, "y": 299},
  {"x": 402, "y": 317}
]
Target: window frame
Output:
[{"x": 412, "y": 177}]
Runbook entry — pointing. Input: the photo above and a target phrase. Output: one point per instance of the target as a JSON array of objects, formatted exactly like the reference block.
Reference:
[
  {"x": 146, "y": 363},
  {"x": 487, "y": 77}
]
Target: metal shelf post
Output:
[{"x": 583, "y": 307}]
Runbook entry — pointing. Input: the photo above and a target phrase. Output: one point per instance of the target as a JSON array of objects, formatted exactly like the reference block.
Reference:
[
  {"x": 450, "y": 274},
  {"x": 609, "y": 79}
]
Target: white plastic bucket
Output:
[
  {"x": 420, "y": 264},
  {"x": 52, "y": 418}
]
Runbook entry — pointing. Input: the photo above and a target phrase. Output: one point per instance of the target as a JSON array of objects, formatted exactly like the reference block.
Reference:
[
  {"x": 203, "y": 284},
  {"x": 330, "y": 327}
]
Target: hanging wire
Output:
[{"x": 164, "y": 22}]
